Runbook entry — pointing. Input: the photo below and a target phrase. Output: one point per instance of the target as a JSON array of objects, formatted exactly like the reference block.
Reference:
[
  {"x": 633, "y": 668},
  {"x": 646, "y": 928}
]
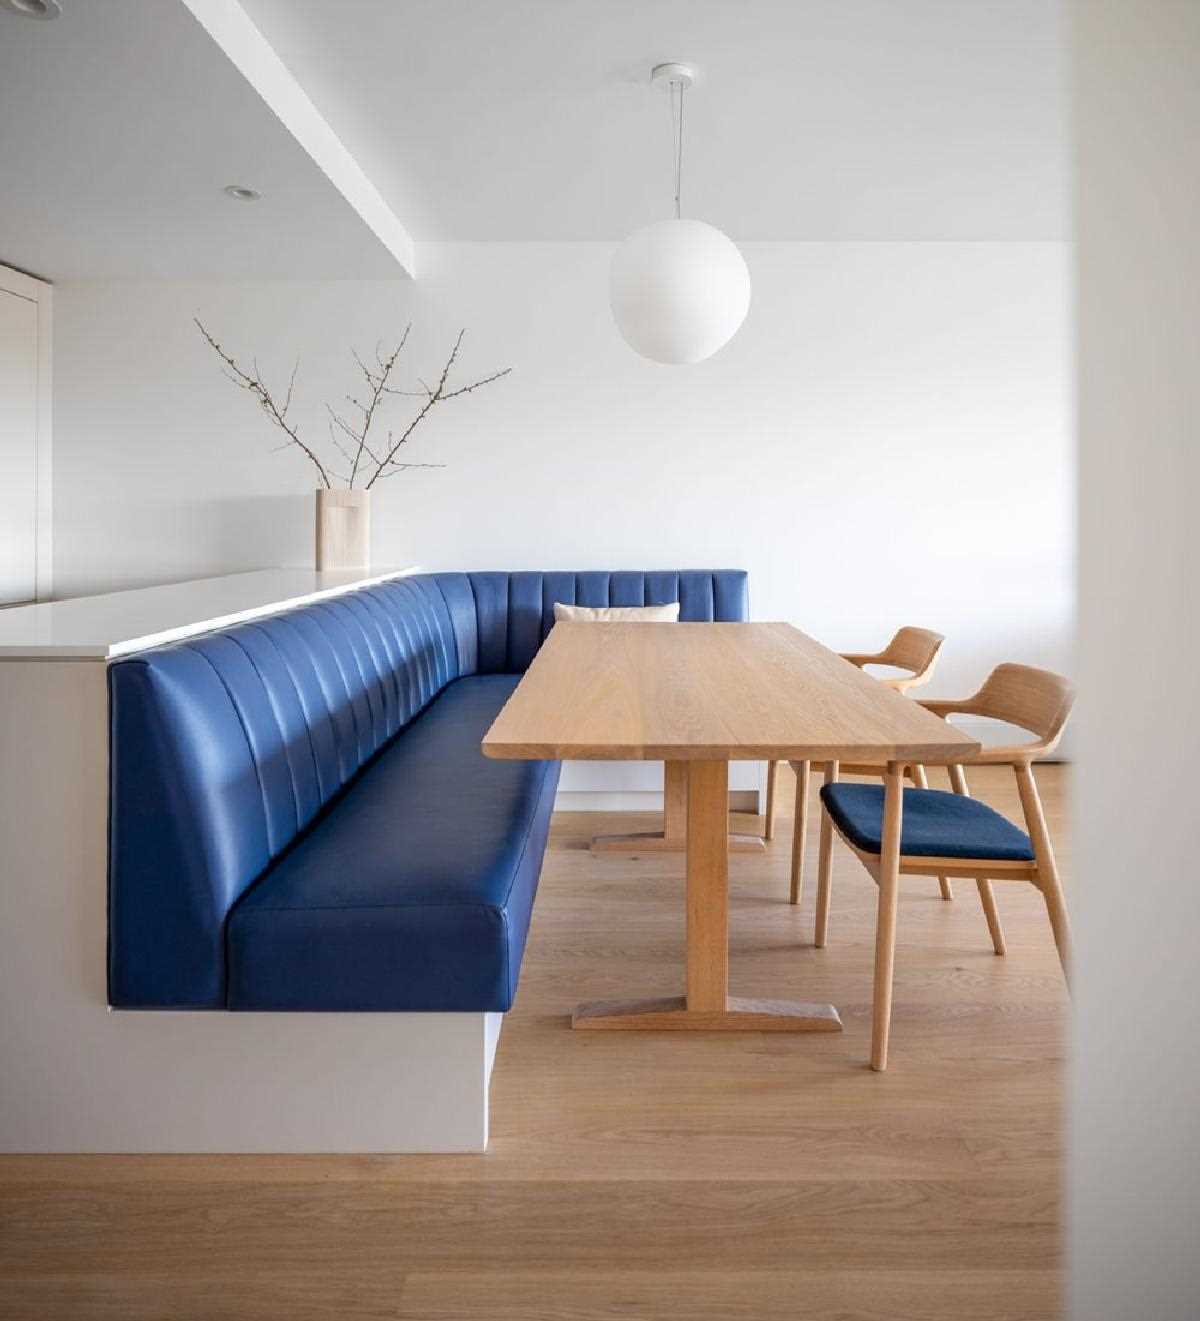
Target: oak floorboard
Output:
[
  {"x": 644, "y": 1176},
  {"x": 768, "y": 1295},
  {"x": 522, "y": 1295}
]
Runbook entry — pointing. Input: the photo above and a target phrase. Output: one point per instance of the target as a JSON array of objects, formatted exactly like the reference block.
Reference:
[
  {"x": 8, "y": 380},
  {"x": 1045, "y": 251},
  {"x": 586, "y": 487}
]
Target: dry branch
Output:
[
  {"x": 433, "y": 397},
  {"x": 358, "y": 453},
  {"x": 254, "y": 383}
]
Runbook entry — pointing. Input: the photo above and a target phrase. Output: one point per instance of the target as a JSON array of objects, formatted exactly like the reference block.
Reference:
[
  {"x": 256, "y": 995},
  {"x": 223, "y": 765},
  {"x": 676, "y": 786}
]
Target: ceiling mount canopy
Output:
[
  {"x": 679, "y": 289},
  {"x": 682, "y": 75},
  {"x": 42, "y": 9}
]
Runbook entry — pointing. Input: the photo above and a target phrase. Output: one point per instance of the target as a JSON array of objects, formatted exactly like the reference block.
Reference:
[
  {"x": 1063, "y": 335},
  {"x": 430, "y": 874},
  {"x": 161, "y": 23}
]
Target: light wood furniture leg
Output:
[
  {"x": 825, "y": 866},
  {"x": 707, "y": 888},
  {"x": 1047, "y": 869},
  {"x": 672, "y": 838},
  {"x": 921, "y": 780},
  {"x": 987, "y": 896},
  {"x": 675, "y": 803},
  {"x": 769, "y": 819},
  {"x": 708, "y": 1005},
  {"x": 799, "y": 829},
  {"x": 885, "y": 929}
]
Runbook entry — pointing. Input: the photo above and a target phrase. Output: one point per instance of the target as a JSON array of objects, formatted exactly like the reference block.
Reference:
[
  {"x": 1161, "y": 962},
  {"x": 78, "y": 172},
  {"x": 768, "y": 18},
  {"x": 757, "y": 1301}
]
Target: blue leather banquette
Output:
[{"x": 300, "y": 814}]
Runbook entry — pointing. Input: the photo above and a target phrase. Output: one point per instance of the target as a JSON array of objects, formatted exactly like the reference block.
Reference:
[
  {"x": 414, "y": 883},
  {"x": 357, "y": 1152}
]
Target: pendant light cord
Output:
[{"x": 677, "y": 143}]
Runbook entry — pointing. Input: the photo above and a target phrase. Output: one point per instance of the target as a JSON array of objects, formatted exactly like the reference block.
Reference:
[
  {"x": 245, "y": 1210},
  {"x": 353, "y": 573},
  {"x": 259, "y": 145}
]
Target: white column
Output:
[{"x": 1134, "y": 1124}]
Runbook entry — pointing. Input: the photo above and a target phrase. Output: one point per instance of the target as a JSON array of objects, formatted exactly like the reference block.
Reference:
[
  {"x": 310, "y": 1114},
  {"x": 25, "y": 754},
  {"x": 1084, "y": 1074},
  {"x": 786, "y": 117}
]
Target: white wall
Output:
[
  {"x": 886, "y": 441},
  {"x": 1135, "y": 1102}
]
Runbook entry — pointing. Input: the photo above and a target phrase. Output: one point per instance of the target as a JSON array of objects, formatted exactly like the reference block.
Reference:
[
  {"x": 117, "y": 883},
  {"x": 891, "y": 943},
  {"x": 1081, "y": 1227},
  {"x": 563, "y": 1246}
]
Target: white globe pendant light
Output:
[{"x": 679, "y": 288}]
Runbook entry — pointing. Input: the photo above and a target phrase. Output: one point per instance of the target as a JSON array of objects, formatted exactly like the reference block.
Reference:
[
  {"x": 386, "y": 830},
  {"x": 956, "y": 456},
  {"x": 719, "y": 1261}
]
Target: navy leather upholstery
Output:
[
  {"x": 936, "y": 824},
  {"x": 227, "y": 746},
  {"x": 442, "y": 894},
  {"x": 515, "y": 611},
  {"x": 274, "y": 836}
]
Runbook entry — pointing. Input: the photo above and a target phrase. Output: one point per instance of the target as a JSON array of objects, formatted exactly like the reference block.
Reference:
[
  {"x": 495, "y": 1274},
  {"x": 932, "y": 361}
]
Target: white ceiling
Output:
[
  {"x": 121, "y": 121},
  {"x": 814, "y": 119},
  {"x": 120, "y": 124}
]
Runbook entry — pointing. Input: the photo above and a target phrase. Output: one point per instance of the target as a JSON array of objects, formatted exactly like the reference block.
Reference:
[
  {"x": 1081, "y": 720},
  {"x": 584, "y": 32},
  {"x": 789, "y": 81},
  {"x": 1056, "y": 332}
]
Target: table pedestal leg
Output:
[
  {"x": 672, "y": 838},
  {"x": 708, "y": 1005}
]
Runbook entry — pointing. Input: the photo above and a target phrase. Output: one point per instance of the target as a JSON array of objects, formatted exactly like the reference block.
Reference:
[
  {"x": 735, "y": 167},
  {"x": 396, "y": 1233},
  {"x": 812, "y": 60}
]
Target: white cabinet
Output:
[{"x": 24, "y": 436}]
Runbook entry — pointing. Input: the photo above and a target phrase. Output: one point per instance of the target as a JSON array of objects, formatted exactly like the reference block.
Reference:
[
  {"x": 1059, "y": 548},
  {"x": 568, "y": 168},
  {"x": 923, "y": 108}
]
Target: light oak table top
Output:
[{"x": 695, "y": 692}]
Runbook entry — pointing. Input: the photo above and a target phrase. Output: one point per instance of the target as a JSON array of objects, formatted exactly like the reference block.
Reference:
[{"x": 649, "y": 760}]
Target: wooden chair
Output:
[
  {"x": 913, "y": 649},
  {"x": 943, "y": 834}
]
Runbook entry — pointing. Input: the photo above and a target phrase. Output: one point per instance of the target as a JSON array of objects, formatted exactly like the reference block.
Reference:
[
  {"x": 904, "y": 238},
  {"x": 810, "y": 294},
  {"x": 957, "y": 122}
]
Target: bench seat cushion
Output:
[
  {"x": 935, "y": 824},
  {"x": 414, "y": 891}
]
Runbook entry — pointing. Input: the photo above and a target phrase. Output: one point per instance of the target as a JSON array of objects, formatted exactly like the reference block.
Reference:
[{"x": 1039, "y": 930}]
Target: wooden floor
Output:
[{"x": 673, "y": 1176}]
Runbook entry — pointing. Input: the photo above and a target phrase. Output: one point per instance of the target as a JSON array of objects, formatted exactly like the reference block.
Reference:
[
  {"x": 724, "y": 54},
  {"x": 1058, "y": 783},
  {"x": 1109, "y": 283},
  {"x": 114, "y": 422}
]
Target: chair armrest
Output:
[
  {"x": 943, "y": 707},
  {"x": 860, "y": 658},
  {"x": 1011, "y": 754}
]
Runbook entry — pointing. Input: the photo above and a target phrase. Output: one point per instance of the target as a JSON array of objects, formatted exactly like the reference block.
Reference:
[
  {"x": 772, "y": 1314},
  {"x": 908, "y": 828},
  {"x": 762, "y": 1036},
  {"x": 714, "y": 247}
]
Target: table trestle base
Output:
[{"x": 671, "y": 1014}]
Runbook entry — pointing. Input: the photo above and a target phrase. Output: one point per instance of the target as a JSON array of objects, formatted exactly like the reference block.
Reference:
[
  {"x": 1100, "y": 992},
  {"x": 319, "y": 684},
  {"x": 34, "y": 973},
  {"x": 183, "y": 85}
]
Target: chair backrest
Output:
[
  {"x": 1037, "y": 700},
  {"x": 914, "y": 649}
]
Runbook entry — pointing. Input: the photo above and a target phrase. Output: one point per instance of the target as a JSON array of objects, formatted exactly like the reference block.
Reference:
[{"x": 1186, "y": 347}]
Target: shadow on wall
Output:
[
  {"x": 209, "y": 538},
  {"x": 262, "y": 531}
]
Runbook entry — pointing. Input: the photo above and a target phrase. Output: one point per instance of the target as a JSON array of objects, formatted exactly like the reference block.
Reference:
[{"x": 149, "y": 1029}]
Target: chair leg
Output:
[
  {"x": 799, "y": 829},
  {"x": 885, "y": 924},
  {"x": 825, "y": 866},
  {"x": 921, "y": 780},
  {"x": 1060, "y": 923},
  {"x": 1047, "y": 869},
  {"x": 769, "y": 819},
  {"x": 987, "y": 898},
  {"x": 958, "y": 781}
]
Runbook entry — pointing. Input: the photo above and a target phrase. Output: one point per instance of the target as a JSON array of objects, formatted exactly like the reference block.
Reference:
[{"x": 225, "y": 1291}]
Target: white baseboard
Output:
[
  {"x": 636, "y": 786},
  {"x": 635, "y": 800}
]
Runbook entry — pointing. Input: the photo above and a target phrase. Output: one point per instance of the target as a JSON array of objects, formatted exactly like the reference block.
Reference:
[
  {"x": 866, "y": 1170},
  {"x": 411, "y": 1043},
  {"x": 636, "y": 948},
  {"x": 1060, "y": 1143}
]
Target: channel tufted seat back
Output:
[
  {"x": 503, "y": 618},
  {"x": 225, "y": 748}
]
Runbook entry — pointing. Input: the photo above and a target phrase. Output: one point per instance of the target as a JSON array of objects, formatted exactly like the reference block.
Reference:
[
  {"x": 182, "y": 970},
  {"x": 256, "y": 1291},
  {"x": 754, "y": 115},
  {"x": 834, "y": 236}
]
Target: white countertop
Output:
[{"x": 101, "y": 627}]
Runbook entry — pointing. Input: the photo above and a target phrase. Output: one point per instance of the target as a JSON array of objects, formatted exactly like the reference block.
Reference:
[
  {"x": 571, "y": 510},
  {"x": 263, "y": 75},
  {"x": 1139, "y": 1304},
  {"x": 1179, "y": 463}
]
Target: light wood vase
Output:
[{"x": 343, "y": 529}]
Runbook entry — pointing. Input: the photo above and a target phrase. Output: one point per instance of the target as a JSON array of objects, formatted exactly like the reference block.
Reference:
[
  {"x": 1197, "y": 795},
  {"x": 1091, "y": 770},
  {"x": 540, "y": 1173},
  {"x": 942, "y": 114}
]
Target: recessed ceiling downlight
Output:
[
  {"x": 33, "y": 8},
  {"x": 240, "y": 193}
]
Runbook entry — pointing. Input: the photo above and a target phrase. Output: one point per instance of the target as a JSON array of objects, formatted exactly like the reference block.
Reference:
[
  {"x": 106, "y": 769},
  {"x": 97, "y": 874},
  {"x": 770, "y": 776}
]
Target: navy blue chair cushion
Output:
[
  {"x": 936, "y": 824},
  {"x": 415, "y": 891}
]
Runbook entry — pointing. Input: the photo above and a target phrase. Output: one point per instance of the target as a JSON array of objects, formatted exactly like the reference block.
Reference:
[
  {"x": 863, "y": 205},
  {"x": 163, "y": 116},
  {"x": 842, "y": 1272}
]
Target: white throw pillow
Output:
[{"x": 618, "y": 614}]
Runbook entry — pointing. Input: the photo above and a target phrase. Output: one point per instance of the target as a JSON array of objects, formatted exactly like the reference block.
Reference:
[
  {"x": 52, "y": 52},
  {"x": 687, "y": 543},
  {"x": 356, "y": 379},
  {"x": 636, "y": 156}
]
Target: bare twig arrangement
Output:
[{"x": 348, "y": 430}]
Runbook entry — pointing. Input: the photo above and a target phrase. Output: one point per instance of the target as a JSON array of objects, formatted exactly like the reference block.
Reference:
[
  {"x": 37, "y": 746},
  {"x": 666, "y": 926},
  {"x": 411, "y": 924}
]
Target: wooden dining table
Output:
[{"x": 698, "y": 696}]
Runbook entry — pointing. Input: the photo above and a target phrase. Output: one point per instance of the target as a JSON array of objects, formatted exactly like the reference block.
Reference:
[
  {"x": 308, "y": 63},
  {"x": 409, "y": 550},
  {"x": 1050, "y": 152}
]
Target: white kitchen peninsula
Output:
[{"x": 102, "y": 627}]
